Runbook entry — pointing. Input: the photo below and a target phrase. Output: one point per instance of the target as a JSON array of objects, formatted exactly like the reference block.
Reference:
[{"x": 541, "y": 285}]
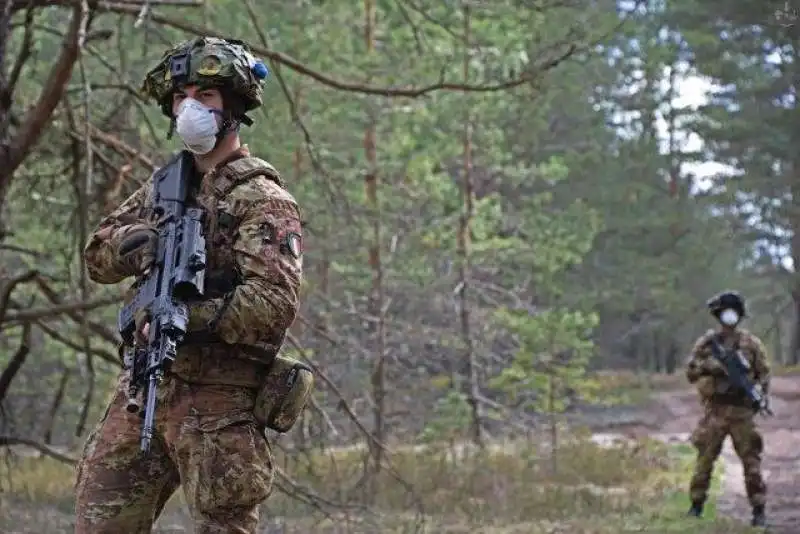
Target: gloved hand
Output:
[{"x": 137, "y": 248}]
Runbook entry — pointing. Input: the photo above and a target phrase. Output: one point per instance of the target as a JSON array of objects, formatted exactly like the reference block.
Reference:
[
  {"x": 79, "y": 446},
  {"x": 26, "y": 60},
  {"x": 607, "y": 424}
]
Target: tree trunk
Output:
[
  {"x": 467, "y": 377},
  {"x": 376, "y": 310}
]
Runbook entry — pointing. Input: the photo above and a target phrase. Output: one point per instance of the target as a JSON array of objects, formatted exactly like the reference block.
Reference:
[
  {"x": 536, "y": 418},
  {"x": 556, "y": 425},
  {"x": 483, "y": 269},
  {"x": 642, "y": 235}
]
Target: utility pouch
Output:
[{"x": 284, "y": 393}]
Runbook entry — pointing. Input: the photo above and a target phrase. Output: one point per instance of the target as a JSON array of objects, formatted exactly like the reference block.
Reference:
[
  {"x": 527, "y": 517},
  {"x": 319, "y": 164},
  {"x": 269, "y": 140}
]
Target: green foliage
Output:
[
  {"x": 591, "y": 246},
  {"x": 554, "y": 351},
  {"x": 451, "y": 415}
]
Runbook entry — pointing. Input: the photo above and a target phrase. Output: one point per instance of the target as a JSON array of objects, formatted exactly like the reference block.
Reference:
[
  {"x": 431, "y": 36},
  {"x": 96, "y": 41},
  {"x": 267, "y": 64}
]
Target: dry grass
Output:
[
  {"x": 597, "y": 490},
  {"x": 630, "y": 387},
  {"x": 787, "y": 370}
]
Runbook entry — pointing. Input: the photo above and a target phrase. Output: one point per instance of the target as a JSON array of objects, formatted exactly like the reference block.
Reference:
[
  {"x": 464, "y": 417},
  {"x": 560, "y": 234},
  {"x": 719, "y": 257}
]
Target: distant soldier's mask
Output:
[{"x": 729, "y": 317}]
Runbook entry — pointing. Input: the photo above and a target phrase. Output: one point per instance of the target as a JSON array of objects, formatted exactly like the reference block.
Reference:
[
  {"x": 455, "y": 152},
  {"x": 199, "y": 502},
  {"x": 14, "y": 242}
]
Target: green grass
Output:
[
  {"x": 668, "y": 514},
  {"x": 508, "y": 490}
]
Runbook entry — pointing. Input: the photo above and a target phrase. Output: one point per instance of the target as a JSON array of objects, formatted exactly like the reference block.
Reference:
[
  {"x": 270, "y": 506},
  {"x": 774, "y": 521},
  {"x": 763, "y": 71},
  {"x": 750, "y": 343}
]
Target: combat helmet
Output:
[
  {"x": 211, "y": 62},
  {"x": 727, "y": 300}
]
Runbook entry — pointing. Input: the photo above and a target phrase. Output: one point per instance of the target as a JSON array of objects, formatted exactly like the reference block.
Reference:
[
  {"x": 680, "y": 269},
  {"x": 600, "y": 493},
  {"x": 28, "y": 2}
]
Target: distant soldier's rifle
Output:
[{"x": 737, "y": 368}]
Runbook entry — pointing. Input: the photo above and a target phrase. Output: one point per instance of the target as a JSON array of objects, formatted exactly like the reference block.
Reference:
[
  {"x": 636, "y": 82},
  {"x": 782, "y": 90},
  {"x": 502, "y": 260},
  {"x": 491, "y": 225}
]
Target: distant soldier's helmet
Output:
[
  {"x": 727, "y": 300},
  {"x": 209, "y": 62}
]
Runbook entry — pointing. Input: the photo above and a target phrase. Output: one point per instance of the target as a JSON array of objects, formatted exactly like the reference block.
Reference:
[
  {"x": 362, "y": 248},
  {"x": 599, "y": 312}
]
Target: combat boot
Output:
[
  {"x": 696, "y": 509},
  {"x": 759, "y": 517}
]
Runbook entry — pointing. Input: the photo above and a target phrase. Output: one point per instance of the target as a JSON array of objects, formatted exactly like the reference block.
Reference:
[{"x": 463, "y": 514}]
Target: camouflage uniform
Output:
[
  {"x": 207, "y": 438},
  {"x": 726, "y": 414}
]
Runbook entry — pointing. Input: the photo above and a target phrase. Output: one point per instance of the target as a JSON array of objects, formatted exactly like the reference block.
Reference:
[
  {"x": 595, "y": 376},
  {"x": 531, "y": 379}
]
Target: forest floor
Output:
[{"x": 631, "y": 476}]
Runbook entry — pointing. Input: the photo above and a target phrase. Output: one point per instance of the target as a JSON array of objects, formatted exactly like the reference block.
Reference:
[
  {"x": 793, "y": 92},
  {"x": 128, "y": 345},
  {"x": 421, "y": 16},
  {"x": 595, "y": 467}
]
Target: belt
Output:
[
  {"x": 729, "y": 399},
  {"x": 204, "y": 359}
]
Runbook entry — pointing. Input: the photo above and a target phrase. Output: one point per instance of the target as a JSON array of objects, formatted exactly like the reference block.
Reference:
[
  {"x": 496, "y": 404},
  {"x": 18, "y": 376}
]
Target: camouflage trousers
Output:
[
  {"x": 719, "y": 422},
  {"x": 206, "y": 440}
]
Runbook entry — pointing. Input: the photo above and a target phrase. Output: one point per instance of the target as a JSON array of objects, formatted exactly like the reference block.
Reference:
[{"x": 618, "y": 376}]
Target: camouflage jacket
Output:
[
  {"x": 701, "y": 361},
  {"x": 252, "y": 277}
]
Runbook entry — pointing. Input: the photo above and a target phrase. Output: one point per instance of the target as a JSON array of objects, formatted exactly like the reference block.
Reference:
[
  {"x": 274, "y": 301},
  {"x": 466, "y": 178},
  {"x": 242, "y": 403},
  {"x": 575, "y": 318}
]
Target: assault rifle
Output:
[
  {"x": 737, "y": 367},
  {"x": 176, "y": 276}
]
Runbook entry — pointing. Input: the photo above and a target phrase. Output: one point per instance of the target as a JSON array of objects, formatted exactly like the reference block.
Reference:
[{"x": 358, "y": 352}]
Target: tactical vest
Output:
[
  {"x": 718, "y": 389},
  {"x": 221, "y": 273}
]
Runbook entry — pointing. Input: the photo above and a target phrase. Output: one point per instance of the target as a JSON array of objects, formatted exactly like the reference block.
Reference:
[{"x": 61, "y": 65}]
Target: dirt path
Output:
[{"x": 677, "y": 412}]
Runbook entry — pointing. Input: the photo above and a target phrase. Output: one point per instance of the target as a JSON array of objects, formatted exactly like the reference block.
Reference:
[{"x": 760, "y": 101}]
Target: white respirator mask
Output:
[
  {"x": 197, "y": 126},
  {"x": 729, "y": 317}
]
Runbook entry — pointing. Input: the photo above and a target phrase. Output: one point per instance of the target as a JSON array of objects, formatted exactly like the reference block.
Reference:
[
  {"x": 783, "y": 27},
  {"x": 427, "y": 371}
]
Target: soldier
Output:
[
  {"x": 208, "y": 436},
  {"x": 726, "y": 410}
]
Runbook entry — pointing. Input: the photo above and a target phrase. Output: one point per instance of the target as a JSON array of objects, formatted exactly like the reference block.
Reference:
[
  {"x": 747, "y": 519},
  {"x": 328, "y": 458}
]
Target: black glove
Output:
[{"x": 137, "y": 248}]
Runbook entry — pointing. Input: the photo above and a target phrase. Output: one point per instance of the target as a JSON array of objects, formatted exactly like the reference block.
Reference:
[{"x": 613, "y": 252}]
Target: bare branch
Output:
[
  {"x": 97, "y": 328},
  {"x": 24, "y": 53},
  {"x": 18, "y": 249},
  {"x": 61, "y": 338},
  {"x": 10, "y": 285},
  {"x": 17, "y": 5},
  {"x": 8, "y": 441},
  {"x": 57, "y": 400},
  {"x": 411, "y": 92},
  {"x": 59, "y": 309},
  {"x": 36, "y": 118},
  {"x": 16, "y": 363}
]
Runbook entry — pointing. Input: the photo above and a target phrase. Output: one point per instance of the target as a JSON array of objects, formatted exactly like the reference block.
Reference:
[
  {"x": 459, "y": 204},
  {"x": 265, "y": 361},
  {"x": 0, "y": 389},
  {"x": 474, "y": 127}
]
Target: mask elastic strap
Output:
[{"x": 229, "y": 124}]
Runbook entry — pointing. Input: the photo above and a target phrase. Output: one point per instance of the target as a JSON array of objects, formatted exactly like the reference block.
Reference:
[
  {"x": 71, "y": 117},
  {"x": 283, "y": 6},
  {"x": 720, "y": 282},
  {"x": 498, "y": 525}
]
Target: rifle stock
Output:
[{"x": 176, "y": 276}]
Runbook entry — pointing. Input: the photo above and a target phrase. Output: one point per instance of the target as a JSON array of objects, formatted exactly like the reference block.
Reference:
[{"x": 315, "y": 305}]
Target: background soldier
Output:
[
  {"x": 726, "y": 410},
  {"x": 208, "y": 438}
]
